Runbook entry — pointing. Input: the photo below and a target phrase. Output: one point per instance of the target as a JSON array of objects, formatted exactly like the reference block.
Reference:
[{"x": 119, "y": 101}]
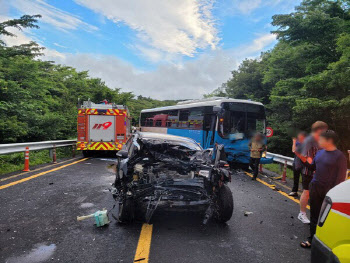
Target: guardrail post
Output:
[
  {"x": 284, "y": 175},
  {"x": 26, "y": 160},
  {"x": 54, "y": 154},
  {"x": 73, "y": 150}
]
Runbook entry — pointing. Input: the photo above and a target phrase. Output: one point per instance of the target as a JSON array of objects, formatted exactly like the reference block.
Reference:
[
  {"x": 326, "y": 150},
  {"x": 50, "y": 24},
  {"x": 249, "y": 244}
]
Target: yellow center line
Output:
[
  {"x": 46, "y": 166},
  {"x": 144, "y": 244},
  {"x": 40, "y": 174},
  {"x": 284, "y": 186},
  {"x": 273, "y": 187}
]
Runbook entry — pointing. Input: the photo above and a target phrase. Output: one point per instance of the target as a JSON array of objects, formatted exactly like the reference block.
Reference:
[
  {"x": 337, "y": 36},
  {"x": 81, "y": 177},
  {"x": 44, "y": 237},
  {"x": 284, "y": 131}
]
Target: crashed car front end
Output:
[{"x": 168, "y": 174}]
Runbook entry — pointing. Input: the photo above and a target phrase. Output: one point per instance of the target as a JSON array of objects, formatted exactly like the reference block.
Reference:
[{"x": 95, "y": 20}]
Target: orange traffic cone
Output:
[
  {"x": 284, "y": 175},
  {"x": 26, "y": 160}
]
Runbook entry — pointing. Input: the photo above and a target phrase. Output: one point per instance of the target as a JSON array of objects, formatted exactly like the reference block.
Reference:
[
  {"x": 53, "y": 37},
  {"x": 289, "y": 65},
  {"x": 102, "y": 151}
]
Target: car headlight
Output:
[
  {"x": 204, "y": 173},
  {"x": 326, "y": 207}
]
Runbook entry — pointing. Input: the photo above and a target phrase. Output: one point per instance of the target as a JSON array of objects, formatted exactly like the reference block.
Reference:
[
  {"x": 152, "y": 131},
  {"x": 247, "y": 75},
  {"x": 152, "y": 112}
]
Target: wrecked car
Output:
[{"x": 160, "y": 171}]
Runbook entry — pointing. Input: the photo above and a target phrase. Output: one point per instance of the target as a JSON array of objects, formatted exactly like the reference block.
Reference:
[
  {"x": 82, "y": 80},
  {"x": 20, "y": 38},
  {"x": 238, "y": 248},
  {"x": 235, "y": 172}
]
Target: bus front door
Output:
[{"x": 209, "y": 130}]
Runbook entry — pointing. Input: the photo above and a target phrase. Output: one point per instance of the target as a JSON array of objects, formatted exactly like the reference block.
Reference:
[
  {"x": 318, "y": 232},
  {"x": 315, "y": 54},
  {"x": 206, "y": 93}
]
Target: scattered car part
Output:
[{"x": 101, "y": 217}]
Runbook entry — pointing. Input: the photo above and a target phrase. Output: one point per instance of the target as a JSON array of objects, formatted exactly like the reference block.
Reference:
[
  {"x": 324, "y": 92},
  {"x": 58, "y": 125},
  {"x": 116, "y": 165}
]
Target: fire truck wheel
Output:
[{"x": 86, "y": 153}]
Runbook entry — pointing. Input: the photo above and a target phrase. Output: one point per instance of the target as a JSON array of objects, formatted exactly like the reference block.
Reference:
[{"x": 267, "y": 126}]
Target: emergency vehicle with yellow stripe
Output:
[
  {"x": 102, "y": 127},
  {"x": 332, "y": 240}
]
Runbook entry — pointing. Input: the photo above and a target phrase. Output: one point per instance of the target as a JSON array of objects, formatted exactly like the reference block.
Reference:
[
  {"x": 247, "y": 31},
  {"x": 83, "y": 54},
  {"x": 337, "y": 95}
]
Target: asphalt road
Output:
[{"x": 39, "y": 209}]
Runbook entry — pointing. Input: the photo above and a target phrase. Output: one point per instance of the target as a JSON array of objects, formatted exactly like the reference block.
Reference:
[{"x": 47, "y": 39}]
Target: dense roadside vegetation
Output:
[
  {"x": 38, "y": 99},
  {"x": 305, "y": 77}
]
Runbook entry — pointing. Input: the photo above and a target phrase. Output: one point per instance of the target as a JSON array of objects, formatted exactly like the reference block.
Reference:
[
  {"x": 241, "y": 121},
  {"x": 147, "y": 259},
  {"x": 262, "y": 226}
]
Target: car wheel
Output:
[
  {"x": 126, "y": 211},
  {"x": 225, "y": 204}
]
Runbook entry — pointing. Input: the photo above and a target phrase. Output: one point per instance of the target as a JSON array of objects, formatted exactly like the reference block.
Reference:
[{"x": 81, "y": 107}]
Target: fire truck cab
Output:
[{"x": 102, "y": 127}]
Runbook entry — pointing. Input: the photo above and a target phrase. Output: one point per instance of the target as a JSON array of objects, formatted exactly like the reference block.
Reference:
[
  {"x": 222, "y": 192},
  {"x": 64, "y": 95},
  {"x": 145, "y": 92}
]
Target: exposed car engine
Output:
[{"x": 168, "y": 172}]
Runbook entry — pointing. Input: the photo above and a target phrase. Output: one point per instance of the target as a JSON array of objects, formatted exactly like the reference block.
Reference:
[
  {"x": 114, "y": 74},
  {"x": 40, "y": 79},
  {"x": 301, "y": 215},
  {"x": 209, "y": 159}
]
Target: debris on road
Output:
[
  {"x": 246, "y": 213},
  {"x": 101, "y": 218}
]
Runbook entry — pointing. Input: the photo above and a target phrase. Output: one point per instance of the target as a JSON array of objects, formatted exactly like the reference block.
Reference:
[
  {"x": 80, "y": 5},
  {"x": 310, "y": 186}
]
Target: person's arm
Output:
[
  {"x": 250, "y": 146},
  {"x": 294, "y": 147},
  {"x": 342, "y": 170},
  {"x": 307, "y": 161},
  {"x": 305, "y": 154}
]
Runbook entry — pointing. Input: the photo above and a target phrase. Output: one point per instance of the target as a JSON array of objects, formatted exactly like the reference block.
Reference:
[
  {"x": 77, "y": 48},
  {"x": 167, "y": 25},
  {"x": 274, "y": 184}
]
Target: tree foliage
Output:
[
  {"x": 305, "y": 77},
  {"x": 38, "y": 99}
]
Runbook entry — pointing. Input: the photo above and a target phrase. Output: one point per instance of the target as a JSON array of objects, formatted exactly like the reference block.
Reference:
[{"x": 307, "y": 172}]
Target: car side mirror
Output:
[{"x": 122, "y": 154}]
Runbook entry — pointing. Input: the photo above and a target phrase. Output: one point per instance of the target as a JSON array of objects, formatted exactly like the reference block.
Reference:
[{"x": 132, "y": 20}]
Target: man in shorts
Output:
[{"x": 309, "y": 149}]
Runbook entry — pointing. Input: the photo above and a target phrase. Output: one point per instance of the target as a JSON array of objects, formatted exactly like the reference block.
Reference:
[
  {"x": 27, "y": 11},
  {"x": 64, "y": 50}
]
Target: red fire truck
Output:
[{"x": 102, "y": 127}]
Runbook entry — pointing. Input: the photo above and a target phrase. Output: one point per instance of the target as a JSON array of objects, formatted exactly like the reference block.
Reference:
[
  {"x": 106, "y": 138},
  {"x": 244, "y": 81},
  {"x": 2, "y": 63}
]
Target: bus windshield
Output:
[{"x": 238, "y": 120}]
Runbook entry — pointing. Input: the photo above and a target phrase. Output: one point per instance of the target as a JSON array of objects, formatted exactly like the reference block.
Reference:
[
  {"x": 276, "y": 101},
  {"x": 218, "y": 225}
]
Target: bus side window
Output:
[
  {"x": 183, "y": 118},
  {"x": 149, "y": 123},
  {"x": 196, "y": 118},
  {"x": 158, "y": 123}
]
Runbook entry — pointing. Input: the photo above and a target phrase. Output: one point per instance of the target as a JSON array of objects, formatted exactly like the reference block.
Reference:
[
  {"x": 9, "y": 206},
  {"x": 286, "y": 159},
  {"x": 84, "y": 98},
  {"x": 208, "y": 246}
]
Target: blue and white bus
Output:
[{"x": 231, "y": 122}]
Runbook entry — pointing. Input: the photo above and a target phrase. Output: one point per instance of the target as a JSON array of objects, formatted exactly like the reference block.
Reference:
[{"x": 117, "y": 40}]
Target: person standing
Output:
[
  {"x": 297, "y": 164},
  {"x": 330, "y": 166},
  {"x": 309, "y": 150},
  {"x": 256, "y": 146}
]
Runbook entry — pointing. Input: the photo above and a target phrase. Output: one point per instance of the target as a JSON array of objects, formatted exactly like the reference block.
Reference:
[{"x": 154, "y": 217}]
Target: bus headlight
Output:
[
  {"x": 204, "y": 173},
  {"x": 326, "y": 207}
]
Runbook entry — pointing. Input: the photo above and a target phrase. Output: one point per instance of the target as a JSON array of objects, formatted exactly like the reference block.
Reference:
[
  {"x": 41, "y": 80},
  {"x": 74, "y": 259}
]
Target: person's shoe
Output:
[
  {"x": 303, "y": 218},
  {"x": 254, "y": 178},
  {"x": 293, "y": 194}
]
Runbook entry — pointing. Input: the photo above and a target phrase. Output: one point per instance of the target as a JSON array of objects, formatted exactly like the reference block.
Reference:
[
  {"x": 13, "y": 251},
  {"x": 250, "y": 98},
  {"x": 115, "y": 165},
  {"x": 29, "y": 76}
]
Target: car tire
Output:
[
  {"x": 225, "y": 204},
  {"x": 126, "y": 211}
]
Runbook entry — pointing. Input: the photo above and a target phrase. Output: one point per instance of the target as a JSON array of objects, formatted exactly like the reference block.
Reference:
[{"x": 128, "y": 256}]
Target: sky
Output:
[{"x": 163, "y": 49}]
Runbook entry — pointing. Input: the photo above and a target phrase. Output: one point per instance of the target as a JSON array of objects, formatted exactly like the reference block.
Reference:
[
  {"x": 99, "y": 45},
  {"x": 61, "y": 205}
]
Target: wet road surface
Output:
[{"x": 38, "y": 222}]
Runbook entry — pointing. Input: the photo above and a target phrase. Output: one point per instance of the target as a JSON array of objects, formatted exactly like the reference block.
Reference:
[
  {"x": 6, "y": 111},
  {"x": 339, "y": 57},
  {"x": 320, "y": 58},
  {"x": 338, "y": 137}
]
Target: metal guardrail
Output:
[
  {"x": 21, "y": 147},
  {"x": 280, "y": 158}
]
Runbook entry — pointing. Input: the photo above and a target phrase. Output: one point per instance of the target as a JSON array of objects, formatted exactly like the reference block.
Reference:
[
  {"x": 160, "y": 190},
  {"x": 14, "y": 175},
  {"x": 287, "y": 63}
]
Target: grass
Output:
[
  {"x": 275, "y": 167},
  {"x": 15, "y": 161}
]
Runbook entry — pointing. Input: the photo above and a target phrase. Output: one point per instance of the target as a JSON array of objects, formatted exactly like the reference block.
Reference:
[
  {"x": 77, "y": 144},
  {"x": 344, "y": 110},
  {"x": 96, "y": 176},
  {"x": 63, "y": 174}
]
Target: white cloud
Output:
[
  {"x": 259, "y": 44},
  {"x": 59, "y": 45},
  {"x": 171, "y": 26},
  {"x": 188, "y": 80},
  {"x": 58, "y": 18},
  {"x": 192, "y": 79},
  {"x": 246, "y": 7}
]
